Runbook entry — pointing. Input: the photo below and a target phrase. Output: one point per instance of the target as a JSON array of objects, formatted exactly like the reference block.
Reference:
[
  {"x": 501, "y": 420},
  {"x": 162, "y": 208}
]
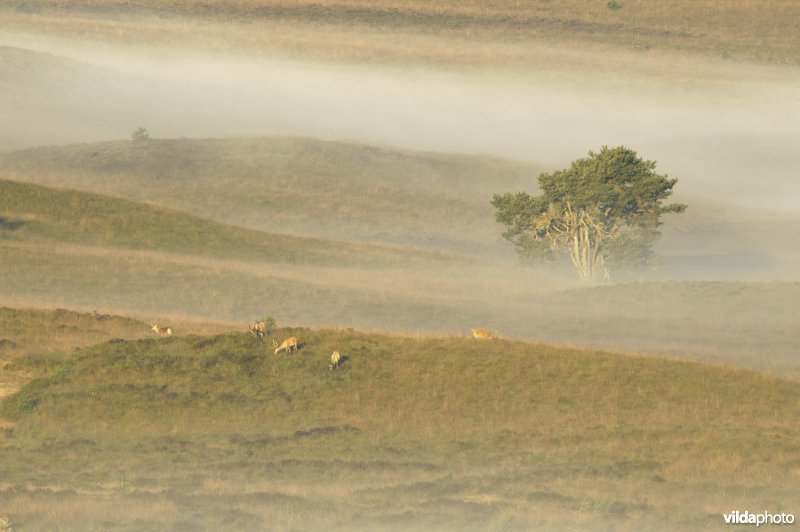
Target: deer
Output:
[
  {"x": 287, "y": 345},
  {"x": 335, "y": 359},
  {"x": 161, "y": 331},
  {"x": 483, "y": 334},
  {"x": 259, "y": 328}
]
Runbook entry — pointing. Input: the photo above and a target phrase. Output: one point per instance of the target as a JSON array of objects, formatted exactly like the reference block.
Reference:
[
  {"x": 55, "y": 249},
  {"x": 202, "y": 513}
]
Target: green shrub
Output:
[
  {"x": 269, "y": 321},
  {"x": 140, "y": 135}
]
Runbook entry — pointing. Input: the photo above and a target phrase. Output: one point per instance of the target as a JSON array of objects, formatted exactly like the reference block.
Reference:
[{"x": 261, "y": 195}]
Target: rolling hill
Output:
[
  {"x": 661, "y": 401},
  {"x": 471, "y": 33},
  {"x": 411, "y": 432},
  {"x": 349, "y": 191},
  {"x": 79, "y": 250},
  {"x": 304, "y": 186},
  {"x": 31, "y": 212}
]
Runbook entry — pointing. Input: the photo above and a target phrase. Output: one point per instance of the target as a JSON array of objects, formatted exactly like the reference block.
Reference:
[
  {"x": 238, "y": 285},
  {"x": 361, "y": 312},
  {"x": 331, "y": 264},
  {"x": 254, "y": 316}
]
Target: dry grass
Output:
[
  {"x": 738, "y": 28},
  {"x": 28, "y": 331},
  {"x": 410, "y": 433},
  {"x": 361, "y": 192},
  {"x": 40, "y": 214},
  {"x": 745, "y": 324},
  {"x": 196, "y": 432},
  {"x": 60, "y": 259}
]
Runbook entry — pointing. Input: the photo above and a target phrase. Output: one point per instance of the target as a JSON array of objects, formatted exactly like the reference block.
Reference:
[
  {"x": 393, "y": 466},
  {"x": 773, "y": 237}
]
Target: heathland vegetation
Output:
[
  {"x": 462, "y": 33},
  {"x": 358, "y": 192},
  {"x": 106, "y": 425},
  {"x": 32, "y": 213},
  {"x": 410, "y": 432},
  {"x": 84, "y": 251}
]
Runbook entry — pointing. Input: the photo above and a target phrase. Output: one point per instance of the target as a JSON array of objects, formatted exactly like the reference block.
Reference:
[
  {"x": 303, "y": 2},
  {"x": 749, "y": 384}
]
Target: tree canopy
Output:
[{"x": 604, "y": 210}]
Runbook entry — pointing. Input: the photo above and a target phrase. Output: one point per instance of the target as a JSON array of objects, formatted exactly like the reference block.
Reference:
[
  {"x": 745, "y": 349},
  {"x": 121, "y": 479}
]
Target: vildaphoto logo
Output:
[{"x": 746, "y": 518}]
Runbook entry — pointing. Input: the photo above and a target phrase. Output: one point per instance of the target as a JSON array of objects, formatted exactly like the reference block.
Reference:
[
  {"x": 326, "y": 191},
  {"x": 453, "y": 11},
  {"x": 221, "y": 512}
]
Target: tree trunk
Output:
[{"x": 586, "y": 246}]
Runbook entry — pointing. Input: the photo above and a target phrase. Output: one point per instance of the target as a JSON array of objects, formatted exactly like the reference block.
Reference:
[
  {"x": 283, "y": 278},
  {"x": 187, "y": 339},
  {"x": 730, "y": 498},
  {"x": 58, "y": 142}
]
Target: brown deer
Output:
[
  {"x": 287, "y": 345},
  {"x": 335, "y": 359},
  {"x": 483, "y": 334},
  {"x": 259, "y": 328},
  {"x": 161, "y": 331}
]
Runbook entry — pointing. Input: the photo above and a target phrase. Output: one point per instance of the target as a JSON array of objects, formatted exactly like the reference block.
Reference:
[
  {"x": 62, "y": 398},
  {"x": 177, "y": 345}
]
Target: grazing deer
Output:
[
  {"x": 287, "y": 345},
  {"x": 335, "y": 358},
  {"x": 483, "y": 334},
  {"x": 259, "y": 328},
  {"x": 161, "y": 331}
]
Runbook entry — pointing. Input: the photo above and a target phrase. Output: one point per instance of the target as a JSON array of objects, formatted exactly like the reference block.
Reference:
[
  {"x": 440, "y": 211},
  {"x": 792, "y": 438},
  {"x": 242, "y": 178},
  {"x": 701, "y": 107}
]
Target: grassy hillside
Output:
[
  {"x": 34, "y": 333},
  {"x": 193, "y": 289},
  {"x": 27, "y": 331},
  {"x": 34, "y": 212},
  {"x": 327, "y": 189},
  {"x": 62, "y": 248},
  {"x": 445, "y": 31},
  {"x": 411, "y": 433},
  {"x": 69, "y": 249},
  {"x": 81, "y": 250},
  {"x": 750, "y": 325},
  {"x": 339, "y": 190}
]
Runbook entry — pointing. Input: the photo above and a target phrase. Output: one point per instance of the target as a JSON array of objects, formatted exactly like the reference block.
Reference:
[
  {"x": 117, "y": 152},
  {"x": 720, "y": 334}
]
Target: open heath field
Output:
[
  {"x": 78, "y": 250},
  {"x": 450, "y": 32},
  {"x": 200, "y": 432},
  {"x": 174, "y": 173},
  {"x": 304, "y": 186}
]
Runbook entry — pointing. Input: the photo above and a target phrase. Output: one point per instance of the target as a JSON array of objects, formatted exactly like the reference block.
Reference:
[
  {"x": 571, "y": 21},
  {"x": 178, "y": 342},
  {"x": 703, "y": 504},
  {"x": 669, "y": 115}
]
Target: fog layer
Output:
[{"x": 732, "y": 140}]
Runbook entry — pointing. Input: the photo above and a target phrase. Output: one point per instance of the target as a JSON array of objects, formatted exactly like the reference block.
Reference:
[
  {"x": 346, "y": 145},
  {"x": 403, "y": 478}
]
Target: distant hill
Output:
[
  {"x": 62, "y": 97},
  {"x": 311, "y": 187},
  {"x": 469, "y": 32},
  {"x": 349, "y": 191},
  {"x": 82, "y": 250},
  {"x": 33, "y": 212}
]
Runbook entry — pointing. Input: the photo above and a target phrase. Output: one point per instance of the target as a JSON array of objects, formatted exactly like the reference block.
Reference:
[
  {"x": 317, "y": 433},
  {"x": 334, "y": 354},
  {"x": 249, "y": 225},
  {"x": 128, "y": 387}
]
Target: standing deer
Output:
[
  {"x": 483, "y": 334},
  {"x": 161, "y": 331},
  {"x": 287, "y": 345}
]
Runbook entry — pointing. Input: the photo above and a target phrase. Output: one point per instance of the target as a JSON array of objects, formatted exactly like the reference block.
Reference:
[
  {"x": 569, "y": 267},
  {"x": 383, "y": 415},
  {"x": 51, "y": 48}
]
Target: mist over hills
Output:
[
  {"x": 329, "y": 164},
  {"x": 716, "y": 129},
  {"x": 349, "y": 191},
  {"x": 304, "y": 186},
  {"x": 95, "y": 252}
]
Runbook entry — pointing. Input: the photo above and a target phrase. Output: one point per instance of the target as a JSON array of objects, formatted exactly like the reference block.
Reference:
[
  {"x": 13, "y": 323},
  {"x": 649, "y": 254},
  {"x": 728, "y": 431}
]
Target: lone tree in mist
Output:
[{"x": 604, "y": 210}]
